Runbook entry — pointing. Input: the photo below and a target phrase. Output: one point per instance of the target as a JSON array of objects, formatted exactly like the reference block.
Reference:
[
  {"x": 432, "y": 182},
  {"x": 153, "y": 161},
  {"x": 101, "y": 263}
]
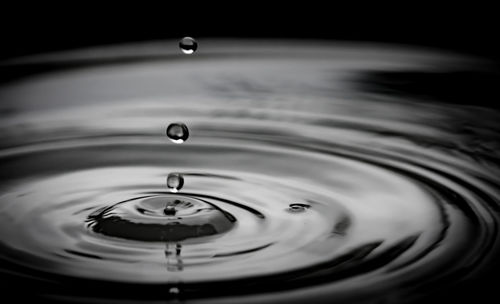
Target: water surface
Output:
[{"x": 313, "y": 172}]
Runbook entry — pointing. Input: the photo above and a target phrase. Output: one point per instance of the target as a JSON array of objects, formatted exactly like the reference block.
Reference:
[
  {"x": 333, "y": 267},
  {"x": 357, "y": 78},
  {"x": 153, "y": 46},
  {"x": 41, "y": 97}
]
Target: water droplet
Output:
[
  {"x": 170, "y": 210},
  {"x": 174, "y": 290},
  {"x": 296, "y": 208},
  {"x": 188, "y": 45},
  {"x": 177, "y": 132},
  {"x": 175, "y": 181}
]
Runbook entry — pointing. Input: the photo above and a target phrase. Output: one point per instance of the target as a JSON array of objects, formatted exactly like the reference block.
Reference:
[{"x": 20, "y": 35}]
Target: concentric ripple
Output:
[{"x": 293, "y": 187}]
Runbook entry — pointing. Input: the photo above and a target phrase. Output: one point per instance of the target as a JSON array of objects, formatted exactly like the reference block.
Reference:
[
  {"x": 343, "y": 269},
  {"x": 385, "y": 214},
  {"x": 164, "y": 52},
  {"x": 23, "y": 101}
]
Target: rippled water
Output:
[{"x": 299, "y": 181}]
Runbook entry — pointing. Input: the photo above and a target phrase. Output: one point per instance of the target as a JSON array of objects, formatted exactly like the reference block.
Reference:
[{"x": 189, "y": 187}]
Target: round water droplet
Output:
[
  {"x": 174, "y": 290},
  {"x": 175, "y": 181},
  {"x": 296, "y": 208},
  {"x": 177, "y": 132},
  {"x": 188, "y": 45}
]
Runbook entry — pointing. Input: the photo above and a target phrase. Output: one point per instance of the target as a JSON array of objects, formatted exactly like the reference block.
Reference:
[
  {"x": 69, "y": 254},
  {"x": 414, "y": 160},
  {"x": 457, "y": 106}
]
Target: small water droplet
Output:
[
  {"x": 188, "y": 45},
  {"x": 169, "y": 210},
  {"x": 177, "y": 132},
  {"x": 296, "y": 208},
  {"x": 175, "y": 181},
  {"x": 174, "y": 290}
]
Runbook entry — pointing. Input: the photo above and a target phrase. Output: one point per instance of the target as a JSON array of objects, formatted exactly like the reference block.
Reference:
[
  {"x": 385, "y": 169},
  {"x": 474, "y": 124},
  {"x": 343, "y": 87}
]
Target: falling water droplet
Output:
[
  {"x": 175, "y": 181},
  {"x": 296, "y": 208},
  {"x": 177, "y": 132},
  {"x": 188, "y": 45},
  {"x": 174, "y": 290}
]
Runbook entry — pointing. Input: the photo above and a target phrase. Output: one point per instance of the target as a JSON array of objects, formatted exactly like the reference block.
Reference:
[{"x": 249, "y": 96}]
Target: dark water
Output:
[{"x": 318, "y": 172}]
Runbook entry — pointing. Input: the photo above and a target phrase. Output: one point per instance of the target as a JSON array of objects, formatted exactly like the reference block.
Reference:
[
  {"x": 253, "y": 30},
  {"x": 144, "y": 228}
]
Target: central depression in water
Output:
[{"x": 291, "y": 186}]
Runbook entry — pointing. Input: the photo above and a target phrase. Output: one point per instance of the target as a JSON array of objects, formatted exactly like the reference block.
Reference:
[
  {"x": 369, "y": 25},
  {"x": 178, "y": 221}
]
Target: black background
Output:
[{"x": 28, "y": 29}]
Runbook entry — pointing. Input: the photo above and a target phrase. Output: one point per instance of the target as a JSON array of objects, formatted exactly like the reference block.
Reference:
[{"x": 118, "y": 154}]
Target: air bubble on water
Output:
[
  {"x": 297, "y": 208},
  {"x": 188, "y": 45},
  {"x": 175, "y": 181},
  {"x": 177, "y": 132}
]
